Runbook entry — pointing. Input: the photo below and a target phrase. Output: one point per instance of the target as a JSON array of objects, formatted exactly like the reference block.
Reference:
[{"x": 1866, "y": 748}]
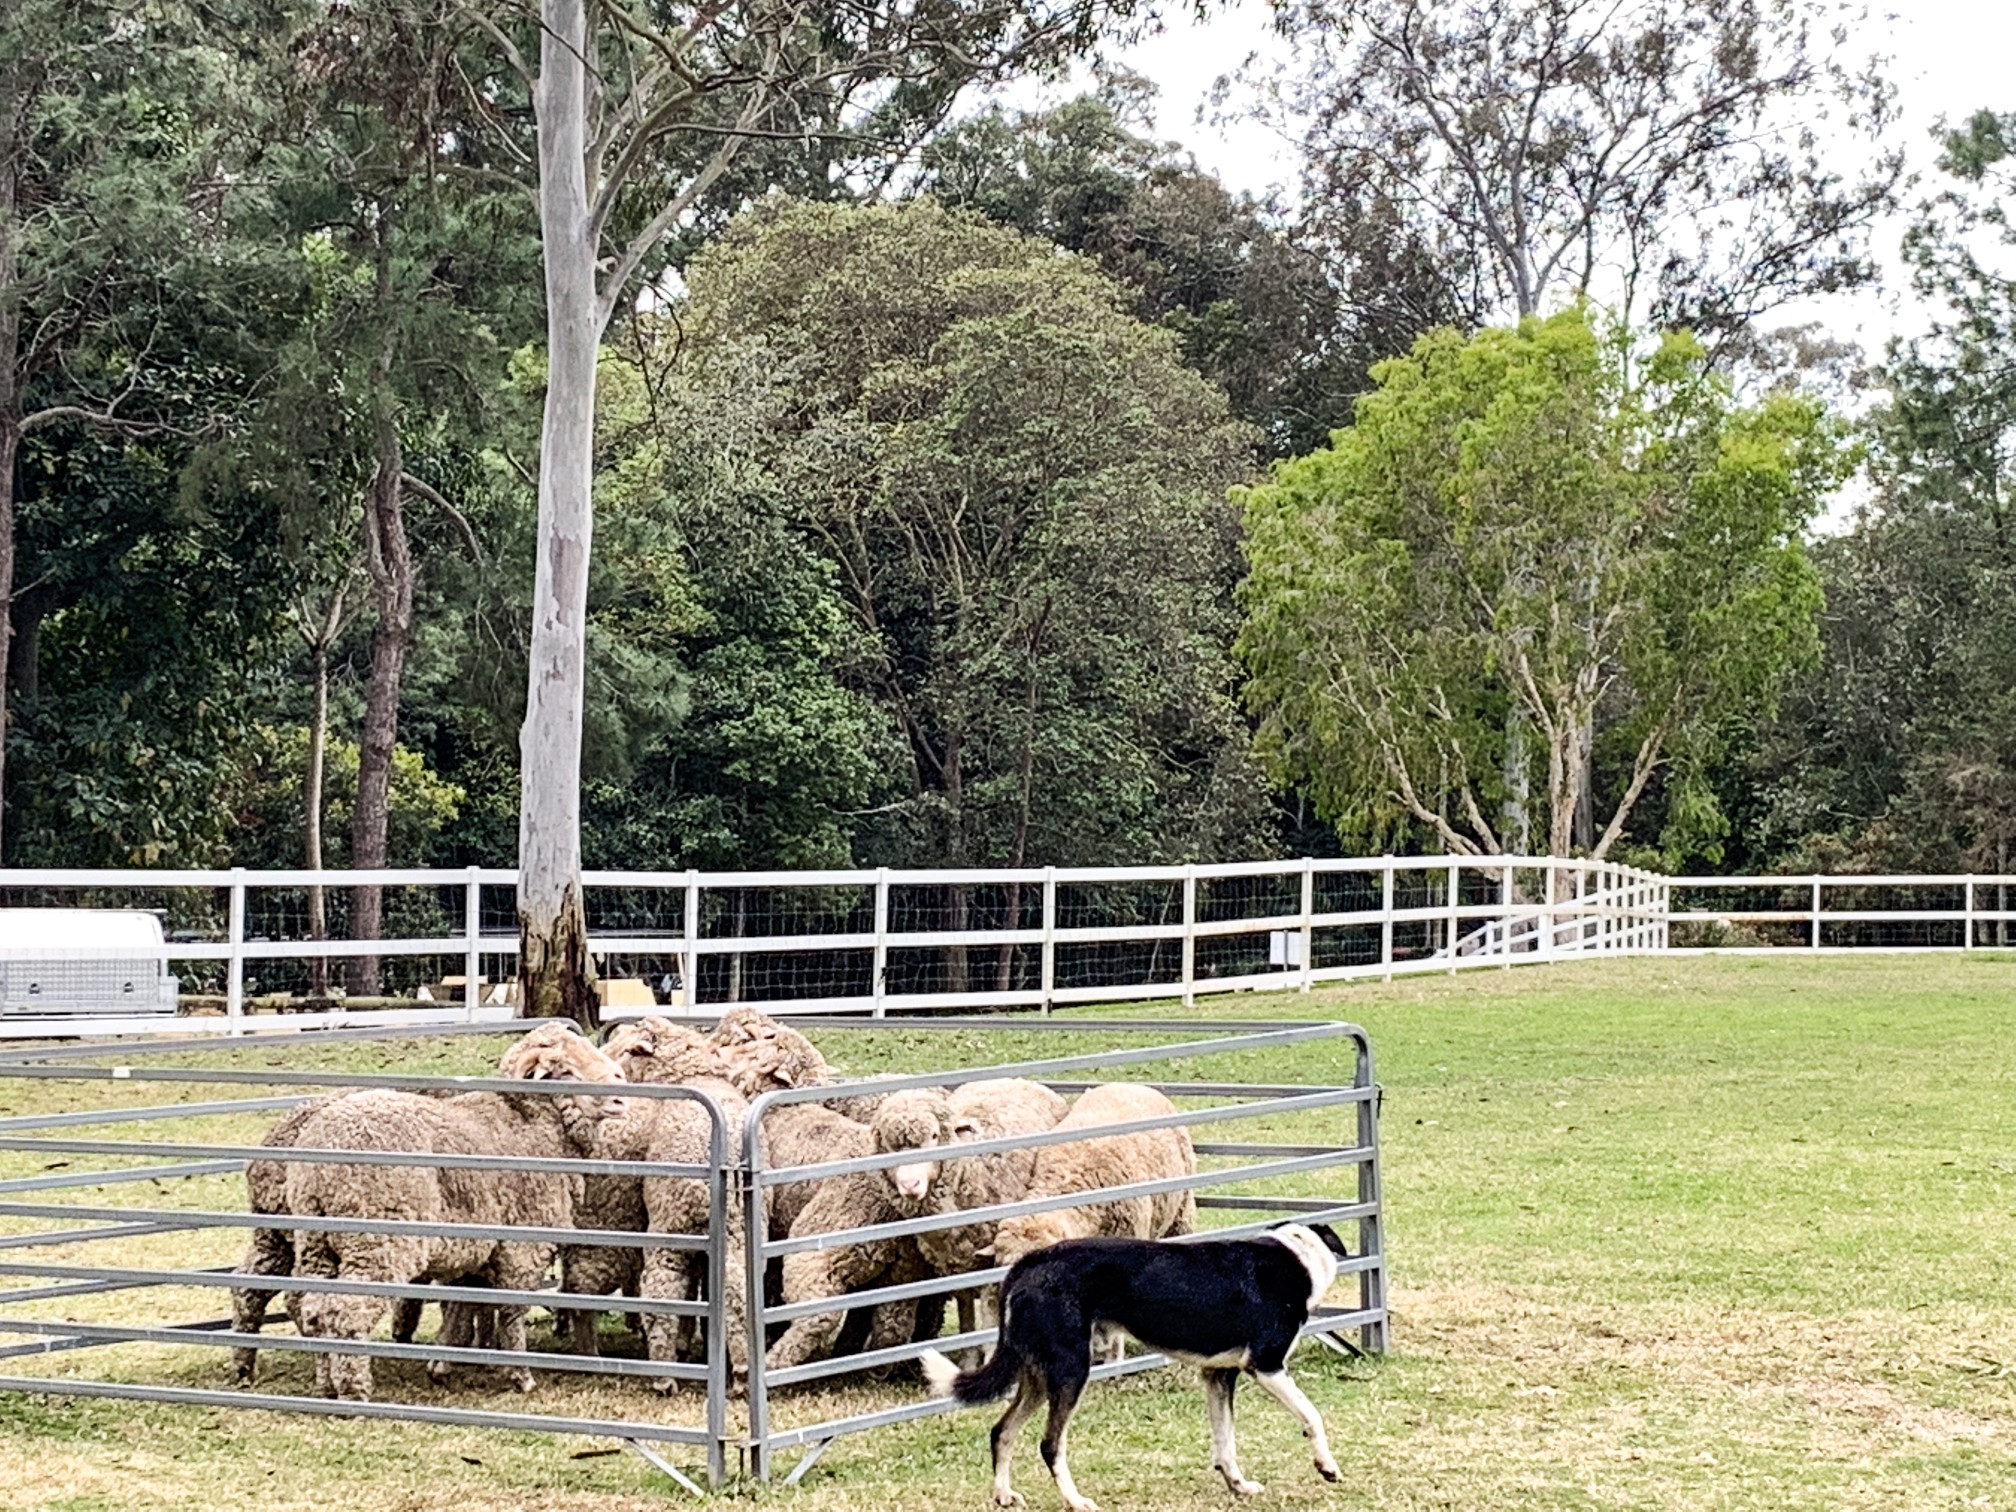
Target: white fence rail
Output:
[{"x": 242, "y": 948}]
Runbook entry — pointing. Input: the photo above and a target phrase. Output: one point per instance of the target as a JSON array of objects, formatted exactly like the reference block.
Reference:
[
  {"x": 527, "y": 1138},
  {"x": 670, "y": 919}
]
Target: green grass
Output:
[{"x": 1698, "y": 1234}]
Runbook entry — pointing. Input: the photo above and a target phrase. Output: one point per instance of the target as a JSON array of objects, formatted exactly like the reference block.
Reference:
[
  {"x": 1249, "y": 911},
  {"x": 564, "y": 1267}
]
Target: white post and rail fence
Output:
[{"x": 111, "y": 952}]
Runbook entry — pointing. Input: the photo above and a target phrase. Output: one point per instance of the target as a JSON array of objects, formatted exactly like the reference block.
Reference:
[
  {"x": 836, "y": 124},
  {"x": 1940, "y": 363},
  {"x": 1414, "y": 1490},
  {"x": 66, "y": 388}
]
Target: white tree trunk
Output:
[{"x": 555, "y": 973}]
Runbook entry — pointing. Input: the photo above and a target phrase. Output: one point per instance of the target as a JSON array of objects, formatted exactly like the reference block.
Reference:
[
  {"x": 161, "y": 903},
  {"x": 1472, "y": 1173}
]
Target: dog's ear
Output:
[{"x": 1330, "y": 1240}]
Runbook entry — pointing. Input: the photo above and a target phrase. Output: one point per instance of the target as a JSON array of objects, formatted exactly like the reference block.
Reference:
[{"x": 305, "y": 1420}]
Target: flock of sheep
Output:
[{"x": 746, "y": 1055}]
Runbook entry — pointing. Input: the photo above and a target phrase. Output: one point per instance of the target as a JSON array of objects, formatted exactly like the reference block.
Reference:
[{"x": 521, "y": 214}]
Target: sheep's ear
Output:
[
  {"x": 540, "y": 1072},
  {"x": 964, "y": 1128},
  {"x": 783, "y": 1074},
  {"x": 985, "y": 1252}
]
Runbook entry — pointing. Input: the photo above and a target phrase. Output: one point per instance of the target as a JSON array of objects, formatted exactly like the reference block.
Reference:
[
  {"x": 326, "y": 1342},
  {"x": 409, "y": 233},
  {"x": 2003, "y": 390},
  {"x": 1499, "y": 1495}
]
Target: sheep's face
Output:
[
  {"x": 655, "y": 1049},
  {"x": 554, "y": 1052},
  {"x": 916, "y": 1120}
]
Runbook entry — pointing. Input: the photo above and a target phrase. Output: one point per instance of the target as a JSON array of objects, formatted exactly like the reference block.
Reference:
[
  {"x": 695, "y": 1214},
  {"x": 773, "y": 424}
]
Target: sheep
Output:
[
  {"x": 650, "y": 1049},
  {"x": 926, "y": 1120},
  {"x": 1086, "y": 1165},
  {"x": 764, "y": 1055},
  {"x": 845, "y": 1202},
  {"x": 271, "y": 1253},
  {"x": 906, "y": 1121},
  {"x": 470, "y": 1123},
  {"x": 657, "y": 1050},
  {"x": 681, "y": 1133}
]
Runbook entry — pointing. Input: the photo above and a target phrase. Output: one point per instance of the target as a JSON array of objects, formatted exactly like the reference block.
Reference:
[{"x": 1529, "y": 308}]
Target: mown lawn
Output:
[{"x": 1698, "y": 1234}]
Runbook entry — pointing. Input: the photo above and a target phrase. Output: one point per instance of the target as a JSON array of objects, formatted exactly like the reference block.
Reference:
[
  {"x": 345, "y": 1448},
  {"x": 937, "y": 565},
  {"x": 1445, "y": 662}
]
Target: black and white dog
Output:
[{"x": 1227, "y": 1305}]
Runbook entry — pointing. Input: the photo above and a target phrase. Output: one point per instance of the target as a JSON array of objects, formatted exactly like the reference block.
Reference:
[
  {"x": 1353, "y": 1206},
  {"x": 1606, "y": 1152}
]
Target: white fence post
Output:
[
  {"x": 1049, "y": 935},
  {"x": 1967, "y": 942},
  {"x": 1505, "y": 900},
  {"x": 1189, "y": 933},
  {"x": 234, "y": 974},
  {"x": 1543, "y": 922},
  {"x": 690, "y": 966},
  {"x": 881, "y": 967},
  {"x": 1386, "y": 922},
  {"x": 1816, "y": 913},
  {"x": 472, "y": 941},
  {"x": 1308, "y": 921},
  {"x": 1455, "y": 901}
]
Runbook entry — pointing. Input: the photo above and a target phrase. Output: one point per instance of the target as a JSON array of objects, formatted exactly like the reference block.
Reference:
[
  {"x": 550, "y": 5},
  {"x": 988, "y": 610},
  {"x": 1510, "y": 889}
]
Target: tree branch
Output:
[{"x": 434, "y": 496}]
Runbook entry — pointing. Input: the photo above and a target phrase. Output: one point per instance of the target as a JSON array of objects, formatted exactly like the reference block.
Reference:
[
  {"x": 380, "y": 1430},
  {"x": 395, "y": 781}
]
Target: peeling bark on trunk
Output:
[
  {"x": 10, "y": 449},
  {"x": 390, "y": 563},
  {"x": 957, "y": 972},
  {"x": 1516, "y": 826},
  {"x": 11, "y": 400},
  {"x": 555, "y": 972},
  {"x": 318, "y": 742}
]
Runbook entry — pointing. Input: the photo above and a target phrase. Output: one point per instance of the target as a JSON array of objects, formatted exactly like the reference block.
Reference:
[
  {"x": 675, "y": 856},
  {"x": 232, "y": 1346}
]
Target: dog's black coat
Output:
[
  {"x": 1231, "y": 1305},
  {"x": 1237, "y": 1302}
]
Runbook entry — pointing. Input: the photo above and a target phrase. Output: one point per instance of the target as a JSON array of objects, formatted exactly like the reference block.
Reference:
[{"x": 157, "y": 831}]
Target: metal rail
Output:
[{"x": 736, "y": 1177}]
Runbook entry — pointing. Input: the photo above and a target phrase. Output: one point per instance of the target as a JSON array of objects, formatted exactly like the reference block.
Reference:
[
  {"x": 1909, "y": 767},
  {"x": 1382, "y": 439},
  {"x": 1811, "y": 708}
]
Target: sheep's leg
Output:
[
  {"x": 1109, "y": 1345},
  {"x": 406, "y": 1318},
  {"x": 972, "y": 1307},
  {"x": 510, "y": 1326},
  {"x": 587, "y": 1271},
  {"x": 271, "y": 1253},
  {"x": 517, "y": 1267},
  {"x": 669, "y": 1276},
  {"x": 460, "y": 1322},
  {"x": 810, "y": 1276}
]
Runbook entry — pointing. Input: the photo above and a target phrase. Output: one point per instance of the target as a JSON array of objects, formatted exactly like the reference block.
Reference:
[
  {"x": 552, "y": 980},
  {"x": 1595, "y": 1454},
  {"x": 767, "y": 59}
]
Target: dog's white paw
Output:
[
  {"x": 1008, "y": 1499},
  {"x": 1083, "y": 1504},
  {"x": 1246, "y": 1487}
]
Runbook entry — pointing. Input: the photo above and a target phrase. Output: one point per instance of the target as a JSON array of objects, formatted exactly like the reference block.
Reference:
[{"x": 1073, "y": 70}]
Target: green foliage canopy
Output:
[
  {"x": 1530, "y": 518},
  {"x": 1021, "y": 491}
]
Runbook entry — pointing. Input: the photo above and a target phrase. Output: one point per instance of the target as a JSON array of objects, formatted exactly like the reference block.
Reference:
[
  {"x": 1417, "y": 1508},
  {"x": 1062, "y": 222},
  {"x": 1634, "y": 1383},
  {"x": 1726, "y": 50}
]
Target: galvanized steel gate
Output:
[{"x": 737, "y": 1173}]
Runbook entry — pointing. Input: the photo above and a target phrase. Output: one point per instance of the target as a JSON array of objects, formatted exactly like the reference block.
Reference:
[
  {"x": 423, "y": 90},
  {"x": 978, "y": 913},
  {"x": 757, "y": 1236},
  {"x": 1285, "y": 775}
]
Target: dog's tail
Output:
[{"x": 969, "y": 1388}]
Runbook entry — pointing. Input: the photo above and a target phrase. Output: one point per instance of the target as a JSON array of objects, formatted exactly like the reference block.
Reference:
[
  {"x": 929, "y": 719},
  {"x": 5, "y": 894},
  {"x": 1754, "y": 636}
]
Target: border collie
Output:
[{"x": 1227, "y": 1305}]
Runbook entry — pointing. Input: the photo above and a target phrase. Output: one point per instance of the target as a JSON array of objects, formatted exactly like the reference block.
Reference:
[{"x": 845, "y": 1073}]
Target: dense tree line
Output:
[{"x": 929, "y": 465}]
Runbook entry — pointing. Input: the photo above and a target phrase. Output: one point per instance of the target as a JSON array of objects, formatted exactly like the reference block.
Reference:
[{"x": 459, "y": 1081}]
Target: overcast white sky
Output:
[{"x": 1950, "y": 57}]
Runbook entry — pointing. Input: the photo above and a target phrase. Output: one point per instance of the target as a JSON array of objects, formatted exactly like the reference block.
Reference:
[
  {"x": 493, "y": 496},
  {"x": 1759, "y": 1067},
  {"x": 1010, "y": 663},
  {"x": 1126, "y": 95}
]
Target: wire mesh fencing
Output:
[{"x": 330, "y": 949}]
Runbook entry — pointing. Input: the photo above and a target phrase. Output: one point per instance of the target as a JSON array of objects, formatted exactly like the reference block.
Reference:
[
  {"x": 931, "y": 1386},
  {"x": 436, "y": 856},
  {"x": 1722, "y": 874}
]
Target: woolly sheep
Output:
[
  {"x": 470, "y": 1123},
  {"x": 682, "y": 1133},
  {"x": 271, "y": 1253},
  {"x": 928, "y": 1120},
  {"x": 1086, "y": 1165},
  {"x": 657, "y": 1050},
  {"x": 906, "y": 1121},
  {"x": 651, "y": 1049},
  {"x": 764, "y": 1055}
]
